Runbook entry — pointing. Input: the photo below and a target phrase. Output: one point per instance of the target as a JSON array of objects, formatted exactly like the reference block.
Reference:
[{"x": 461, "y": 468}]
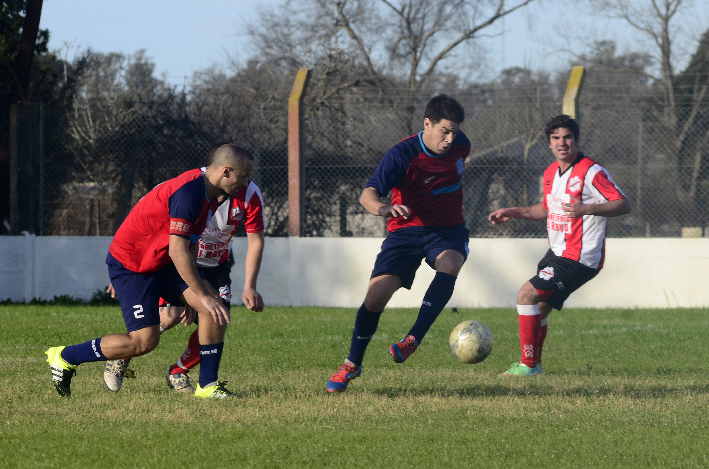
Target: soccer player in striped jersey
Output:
[
  {"x": 150, "y": 257},
  {"x": 578, "y": 197},
  {"x": 425, "y": 221},
  {"x": 246, "y": 206}
]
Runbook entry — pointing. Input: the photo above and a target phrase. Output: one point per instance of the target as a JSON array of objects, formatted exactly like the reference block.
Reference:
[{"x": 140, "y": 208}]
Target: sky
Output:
[{"x": 185, "y": 36}]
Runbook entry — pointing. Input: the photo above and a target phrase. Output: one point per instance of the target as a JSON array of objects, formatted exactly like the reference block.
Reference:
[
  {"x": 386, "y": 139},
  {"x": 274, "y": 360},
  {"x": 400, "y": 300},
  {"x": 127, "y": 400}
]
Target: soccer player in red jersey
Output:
[
  {"x": 213, "y": 260},
  {"x": 150, "y": 257},
  {"x": 579, "y": 196},
  {"x": 425, "y": 221}
]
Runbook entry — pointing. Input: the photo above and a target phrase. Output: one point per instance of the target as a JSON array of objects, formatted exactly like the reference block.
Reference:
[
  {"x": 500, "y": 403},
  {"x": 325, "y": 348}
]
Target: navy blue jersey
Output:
[{"x": 427, "y": 183}]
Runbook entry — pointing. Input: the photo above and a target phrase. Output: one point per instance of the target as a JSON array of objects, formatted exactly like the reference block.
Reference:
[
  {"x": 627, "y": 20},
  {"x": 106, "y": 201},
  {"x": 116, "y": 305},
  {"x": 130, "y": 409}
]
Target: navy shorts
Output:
[
  {"x": 403, "y": 249},
  {"x": 219, "y": 277},
  {"x": 139, "y": 294},
  {"x": 558, "y": 277}
]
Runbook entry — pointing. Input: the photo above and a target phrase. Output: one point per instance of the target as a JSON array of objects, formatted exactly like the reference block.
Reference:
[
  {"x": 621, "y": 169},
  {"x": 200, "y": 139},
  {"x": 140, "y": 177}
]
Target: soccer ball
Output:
[{"x": 471, "y": 341}]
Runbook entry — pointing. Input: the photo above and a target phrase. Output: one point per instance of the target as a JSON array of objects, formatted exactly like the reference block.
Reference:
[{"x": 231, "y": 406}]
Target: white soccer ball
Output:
[{"x": 471, "y": 341}]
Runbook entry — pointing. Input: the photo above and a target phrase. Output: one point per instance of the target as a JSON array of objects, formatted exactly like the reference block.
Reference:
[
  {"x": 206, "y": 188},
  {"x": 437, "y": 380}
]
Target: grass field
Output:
[{"x": 621, "y": 388}]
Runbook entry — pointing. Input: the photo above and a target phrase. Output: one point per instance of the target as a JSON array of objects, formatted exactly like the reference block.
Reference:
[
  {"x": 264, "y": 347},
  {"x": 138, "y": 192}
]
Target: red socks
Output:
[
  {"x": 540, "y": 339},
  {"x": 190, "y": 357},
  {"x": 530, "y": 323}
]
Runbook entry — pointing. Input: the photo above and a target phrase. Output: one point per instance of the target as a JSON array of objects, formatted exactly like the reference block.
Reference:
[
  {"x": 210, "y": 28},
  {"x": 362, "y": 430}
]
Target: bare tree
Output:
[
  {"x": 116, "y": 133},
  {"x": 657, "y": 20},
  {"x": 409, "y": 40}
]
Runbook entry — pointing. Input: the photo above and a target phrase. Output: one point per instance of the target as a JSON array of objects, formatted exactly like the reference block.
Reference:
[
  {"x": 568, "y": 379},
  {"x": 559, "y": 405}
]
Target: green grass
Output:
[{"x": 621, "y": 388}]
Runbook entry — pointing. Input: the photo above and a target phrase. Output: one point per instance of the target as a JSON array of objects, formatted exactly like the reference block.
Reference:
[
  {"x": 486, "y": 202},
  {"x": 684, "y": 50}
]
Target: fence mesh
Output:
[{"x": 98, "y": 162}]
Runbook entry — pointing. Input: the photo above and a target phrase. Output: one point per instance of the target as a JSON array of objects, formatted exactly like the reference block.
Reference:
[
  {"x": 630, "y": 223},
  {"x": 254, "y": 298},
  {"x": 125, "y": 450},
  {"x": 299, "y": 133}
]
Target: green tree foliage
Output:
[{"x": 12, "y": 19}]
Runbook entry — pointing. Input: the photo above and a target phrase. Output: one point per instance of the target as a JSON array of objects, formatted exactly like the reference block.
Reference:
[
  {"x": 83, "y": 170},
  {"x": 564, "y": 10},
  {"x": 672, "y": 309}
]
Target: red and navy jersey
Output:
[
  {"x": 429, "y": 184},
  {"x": 246, "y": 206},
  {"x": 581, "y": 239},
  {"x": 177, "y": 207}
]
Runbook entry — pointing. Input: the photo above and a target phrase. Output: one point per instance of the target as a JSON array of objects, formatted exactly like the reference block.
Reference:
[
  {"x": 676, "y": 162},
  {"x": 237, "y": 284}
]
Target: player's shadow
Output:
[{"x": 541, "y": 390}]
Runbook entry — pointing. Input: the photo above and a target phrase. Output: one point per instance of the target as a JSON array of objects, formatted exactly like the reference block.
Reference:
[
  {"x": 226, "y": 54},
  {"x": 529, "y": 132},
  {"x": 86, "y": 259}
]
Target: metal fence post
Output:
[
  {"x": 14, "y": 209},
  {"x": 296, "y": 150},
  {"x": 26, "y": 167},
  {"x": 573, "y": 91}
]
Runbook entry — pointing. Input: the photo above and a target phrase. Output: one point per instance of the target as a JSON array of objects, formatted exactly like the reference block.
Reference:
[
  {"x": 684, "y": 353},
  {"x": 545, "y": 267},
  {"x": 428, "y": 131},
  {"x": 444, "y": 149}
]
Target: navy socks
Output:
[
  {"x": 365, "y": 326},
  {"x": 81, "y": 353},
  {"x": 210, "y": 356},
  {"x": 437, "y": 295}
]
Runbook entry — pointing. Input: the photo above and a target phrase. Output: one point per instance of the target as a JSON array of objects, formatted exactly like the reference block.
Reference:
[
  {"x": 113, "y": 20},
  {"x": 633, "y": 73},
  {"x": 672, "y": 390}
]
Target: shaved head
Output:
[
  {"x": 228, "y": 154},
  {"x": 228, "y": 169}
]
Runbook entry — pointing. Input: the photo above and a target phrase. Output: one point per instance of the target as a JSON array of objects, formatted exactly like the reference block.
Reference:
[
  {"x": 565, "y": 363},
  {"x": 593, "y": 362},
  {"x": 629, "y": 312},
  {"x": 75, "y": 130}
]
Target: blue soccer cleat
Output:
[{"x": 342, "y": 377}]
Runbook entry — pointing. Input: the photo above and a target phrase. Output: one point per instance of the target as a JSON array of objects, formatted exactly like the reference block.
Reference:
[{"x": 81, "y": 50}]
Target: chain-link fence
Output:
[
  {"x": 101, "y": 157},
  {"x": 658, "y": 156}
]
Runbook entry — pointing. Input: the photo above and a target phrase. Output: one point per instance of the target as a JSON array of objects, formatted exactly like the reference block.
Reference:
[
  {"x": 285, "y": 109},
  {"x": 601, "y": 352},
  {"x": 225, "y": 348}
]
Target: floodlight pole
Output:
[{"x": 296, "y": 151}]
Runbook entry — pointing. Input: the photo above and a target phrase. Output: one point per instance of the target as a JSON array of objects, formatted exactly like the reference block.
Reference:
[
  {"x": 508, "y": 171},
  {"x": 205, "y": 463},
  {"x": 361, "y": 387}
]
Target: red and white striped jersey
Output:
[
  {"x": 581, "y": 239},
  {"x": 246, "y": 206}
]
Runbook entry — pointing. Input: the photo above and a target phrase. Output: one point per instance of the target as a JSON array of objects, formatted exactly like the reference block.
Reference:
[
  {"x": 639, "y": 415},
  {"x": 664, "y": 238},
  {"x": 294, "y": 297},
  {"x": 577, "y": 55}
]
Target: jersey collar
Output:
[
  {"x": 426, "y": 150},
  {"x": 204, "y": 180}
]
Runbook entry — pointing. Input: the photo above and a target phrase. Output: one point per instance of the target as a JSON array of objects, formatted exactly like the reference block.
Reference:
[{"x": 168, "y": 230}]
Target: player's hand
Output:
[
  {"x": 216, "y": 308},
  {"x": 395, "y": 211},
  {"x": 252, "y": 300},
  {"x": 575, "y": 208},
  {"x": 188, "y": 315},
  {"x": 111, "y": 291},
  {"x": 498, "y": 217}
]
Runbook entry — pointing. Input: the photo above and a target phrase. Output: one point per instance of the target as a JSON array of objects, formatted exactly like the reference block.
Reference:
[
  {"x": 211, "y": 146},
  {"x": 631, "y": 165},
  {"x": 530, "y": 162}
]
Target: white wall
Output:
[{"x": 639, "y": 272}]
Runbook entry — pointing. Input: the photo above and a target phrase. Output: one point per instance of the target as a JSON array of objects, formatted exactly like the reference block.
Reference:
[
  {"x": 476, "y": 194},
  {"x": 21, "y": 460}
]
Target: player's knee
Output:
[
  {"x": 376, "y": 299},
  {"x": 528, "y": 295},
  {"x": 380, "y": 291},
  {"x": 170, "y": 317},
  {"x": 374, "y": 303},
  {"x": 449, "y": 262},
  {"x": 144, "y": 342},
  {"x": 147, "y": 345}
]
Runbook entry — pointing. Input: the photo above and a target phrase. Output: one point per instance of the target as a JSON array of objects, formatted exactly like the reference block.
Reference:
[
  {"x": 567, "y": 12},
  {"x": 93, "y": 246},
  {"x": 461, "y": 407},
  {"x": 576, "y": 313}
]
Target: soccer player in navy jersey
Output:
[
  {"x": 578, "y": 197},
  {"x": 425, "y": 221},
  {"x": 150, "y": 257}
]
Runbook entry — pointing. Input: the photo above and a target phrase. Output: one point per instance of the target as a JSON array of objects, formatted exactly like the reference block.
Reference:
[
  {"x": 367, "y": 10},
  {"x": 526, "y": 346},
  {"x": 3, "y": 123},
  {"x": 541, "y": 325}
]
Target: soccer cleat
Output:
[
  {"x": 62, "y": 372},
  {"x": 402, "y": 350},
  {"x": 179, "y": 382},
  {"x": 342, "y": 377},
  {"x": 114, "y": 373},
  {"x": 213, "y": 391},
  {"x": 520, "y": 369}
]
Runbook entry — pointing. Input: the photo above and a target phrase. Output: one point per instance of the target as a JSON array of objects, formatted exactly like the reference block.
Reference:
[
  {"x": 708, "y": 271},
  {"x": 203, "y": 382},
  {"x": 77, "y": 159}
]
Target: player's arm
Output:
[
  {"x": 194, "y": 250},
  {"x": 612, "y": 208},
  {"x": 254, "y": 253},
  {"x": 371, "y": 200},
  {"x": 179, "y": 249},
  {"x": 535, "y": 212}
]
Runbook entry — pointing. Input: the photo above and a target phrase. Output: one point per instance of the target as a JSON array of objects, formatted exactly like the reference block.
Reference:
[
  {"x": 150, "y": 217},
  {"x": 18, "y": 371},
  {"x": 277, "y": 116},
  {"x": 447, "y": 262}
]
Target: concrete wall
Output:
[{"x": 639, "y": 272}]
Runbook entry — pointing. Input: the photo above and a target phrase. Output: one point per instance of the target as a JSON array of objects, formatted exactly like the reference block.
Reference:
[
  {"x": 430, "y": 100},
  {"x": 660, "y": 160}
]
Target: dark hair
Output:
[
  {"x": 237, "y": 150},
  {"x": 562, "y": 121},
  {"x": 444, "y": 107}
]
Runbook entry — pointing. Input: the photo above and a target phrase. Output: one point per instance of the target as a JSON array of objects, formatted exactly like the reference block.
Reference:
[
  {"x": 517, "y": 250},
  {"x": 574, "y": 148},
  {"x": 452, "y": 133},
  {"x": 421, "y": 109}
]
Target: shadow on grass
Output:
[{"x": 537, "y": 390}]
